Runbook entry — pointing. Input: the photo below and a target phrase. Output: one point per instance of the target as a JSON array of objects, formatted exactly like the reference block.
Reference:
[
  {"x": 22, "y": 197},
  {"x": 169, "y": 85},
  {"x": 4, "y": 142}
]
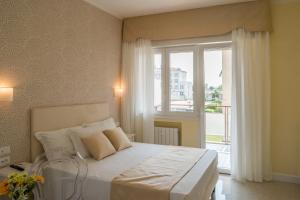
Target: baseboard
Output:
[{"x": 286, "y": 178}]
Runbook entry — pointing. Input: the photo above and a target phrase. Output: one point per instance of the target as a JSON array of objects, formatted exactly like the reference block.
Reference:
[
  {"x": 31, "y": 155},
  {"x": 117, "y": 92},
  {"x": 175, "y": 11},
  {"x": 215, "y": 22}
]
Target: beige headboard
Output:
[{"x": 58, "y": 117}]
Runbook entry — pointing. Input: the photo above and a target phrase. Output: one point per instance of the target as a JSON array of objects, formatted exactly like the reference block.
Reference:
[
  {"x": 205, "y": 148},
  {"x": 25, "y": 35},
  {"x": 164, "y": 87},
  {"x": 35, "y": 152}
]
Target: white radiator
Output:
[{"x": 167, "y": 136}]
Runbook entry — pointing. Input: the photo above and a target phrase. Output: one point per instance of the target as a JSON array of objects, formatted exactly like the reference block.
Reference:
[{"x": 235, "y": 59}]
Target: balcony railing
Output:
[
  {"x": 217, "y": 114},
  {"x": 222, "y": 115}
]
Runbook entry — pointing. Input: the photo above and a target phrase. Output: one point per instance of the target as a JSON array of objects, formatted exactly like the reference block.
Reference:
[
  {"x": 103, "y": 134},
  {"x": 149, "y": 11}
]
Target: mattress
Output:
[{"x": 197, "y": 184}]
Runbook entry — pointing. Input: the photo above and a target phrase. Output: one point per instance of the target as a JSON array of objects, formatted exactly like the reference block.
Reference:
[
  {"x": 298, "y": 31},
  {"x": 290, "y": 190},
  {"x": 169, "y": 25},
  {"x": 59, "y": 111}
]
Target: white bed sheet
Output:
[{"x": 197, "y": 184}]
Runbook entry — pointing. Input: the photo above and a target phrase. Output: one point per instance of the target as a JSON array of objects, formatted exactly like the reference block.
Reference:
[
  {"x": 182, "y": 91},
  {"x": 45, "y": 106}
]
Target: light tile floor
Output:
[
  {"x": 228, "y": 189},
  {"x": 223, "y": 154}
]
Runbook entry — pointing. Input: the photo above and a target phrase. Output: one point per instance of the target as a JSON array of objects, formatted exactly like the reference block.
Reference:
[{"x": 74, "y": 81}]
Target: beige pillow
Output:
[
  {"x": 98, "y": 145},
  {"x": 118, "y": 138}
]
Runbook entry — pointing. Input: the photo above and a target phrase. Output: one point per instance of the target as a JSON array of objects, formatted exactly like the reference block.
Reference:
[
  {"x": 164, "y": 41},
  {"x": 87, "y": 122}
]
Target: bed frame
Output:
[{"x": 58, "y": 117}]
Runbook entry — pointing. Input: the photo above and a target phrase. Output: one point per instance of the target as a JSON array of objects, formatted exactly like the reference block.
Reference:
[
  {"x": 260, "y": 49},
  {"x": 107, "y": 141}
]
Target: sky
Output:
[
  {"x": 184, "y": 61},
  {"x": 213, "y": 67}
]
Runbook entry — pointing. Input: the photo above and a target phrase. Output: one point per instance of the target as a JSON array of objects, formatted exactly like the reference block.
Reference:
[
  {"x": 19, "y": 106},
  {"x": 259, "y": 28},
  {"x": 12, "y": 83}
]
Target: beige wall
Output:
[
  {"x": 285, "y": 66},
  {"x": 189, "y": 130},
  {"x": 54, "y": 53}
]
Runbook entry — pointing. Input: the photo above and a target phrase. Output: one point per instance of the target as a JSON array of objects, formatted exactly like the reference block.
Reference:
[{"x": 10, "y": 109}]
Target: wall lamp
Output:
[
  {"x": 6, "y": 94},
  {"x": 118, "y": 90}
]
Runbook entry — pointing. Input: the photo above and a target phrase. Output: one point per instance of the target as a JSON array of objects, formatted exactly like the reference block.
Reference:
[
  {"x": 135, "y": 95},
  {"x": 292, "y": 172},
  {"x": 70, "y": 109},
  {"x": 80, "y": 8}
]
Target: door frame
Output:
[{"x": 203, "y": 119}]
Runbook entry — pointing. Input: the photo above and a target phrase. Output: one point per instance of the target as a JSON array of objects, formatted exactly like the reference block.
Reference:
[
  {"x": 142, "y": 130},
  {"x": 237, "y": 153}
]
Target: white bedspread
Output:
[{"x": 197, "y": 184}]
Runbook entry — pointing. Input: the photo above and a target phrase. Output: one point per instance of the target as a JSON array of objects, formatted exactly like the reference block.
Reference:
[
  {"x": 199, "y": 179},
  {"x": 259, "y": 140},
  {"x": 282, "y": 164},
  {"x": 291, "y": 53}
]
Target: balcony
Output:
[{"x": 218, "y": 120}]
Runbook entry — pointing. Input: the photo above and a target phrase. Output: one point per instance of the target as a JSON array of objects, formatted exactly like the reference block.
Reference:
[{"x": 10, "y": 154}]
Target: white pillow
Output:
[
  {"x": 78, "y": 145},
  {"x": 87, "y": 130},
  {"x": 57, "y": 143}
]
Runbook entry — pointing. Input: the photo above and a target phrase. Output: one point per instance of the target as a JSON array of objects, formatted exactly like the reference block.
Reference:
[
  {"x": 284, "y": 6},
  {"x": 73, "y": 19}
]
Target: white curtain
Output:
[
  {"x": 251, "y": 106},
  {"x": 137, "y": 103}
]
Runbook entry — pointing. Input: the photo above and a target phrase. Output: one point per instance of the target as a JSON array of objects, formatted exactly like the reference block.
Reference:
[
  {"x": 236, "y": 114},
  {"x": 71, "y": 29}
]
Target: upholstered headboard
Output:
[{"x": 58, "y": 117}]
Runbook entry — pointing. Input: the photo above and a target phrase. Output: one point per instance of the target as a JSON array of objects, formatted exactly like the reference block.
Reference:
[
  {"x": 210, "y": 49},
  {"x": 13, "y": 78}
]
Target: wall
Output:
[
  {"x": 54, "y": 52},
  {"x": 285, "y": 69},
  {"x": 189, "y": 130}
]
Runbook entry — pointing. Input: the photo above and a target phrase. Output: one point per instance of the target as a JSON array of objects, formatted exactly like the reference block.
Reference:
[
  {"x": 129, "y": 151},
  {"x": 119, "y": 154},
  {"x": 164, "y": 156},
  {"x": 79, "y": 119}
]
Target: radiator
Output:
[{"x": 167, "y": 136}]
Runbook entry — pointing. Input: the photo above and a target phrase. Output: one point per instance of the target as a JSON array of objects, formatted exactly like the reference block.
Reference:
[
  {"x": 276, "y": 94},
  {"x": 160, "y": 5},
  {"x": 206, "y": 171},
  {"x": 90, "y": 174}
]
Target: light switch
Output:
[
  {"x": 5, "y": 161},
  {"x": 4, "y": 151}
]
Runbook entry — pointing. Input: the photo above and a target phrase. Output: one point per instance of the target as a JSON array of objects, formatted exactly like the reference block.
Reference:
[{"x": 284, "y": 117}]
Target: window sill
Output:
[{"x": 177, "y": 116}]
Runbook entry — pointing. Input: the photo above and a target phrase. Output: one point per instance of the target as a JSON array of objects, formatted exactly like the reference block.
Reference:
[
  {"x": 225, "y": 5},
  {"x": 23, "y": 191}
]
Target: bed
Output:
[{"x": 197, "y": 184}]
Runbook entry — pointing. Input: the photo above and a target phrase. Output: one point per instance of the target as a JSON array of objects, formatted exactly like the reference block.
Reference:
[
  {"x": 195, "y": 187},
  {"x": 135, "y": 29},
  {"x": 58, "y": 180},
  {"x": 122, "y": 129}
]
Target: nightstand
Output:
[
  {"x": 131, "y": 137},
  {"x": 5, "y": 171}
]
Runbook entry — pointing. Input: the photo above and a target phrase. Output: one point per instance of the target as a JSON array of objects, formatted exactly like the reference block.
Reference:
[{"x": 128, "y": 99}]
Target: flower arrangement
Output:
[{"x": 19, "y": 186}]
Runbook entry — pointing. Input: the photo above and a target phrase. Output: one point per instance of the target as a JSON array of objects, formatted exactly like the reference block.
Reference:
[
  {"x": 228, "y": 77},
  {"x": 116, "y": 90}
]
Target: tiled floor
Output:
[
  {"x": 223, "y": 154},
  {"x": 228, "y": 189}
]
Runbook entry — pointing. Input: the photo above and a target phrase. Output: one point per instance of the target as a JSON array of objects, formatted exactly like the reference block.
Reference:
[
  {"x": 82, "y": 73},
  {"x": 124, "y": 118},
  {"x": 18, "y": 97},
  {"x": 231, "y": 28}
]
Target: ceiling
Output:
[{"x": 131, "y": 8}]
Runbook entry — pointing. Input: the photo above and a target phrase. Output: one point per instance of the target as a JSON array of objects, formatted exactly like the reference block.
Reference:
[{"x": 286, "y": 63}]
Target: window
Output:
[
  {"x": 181, "y": 65},
  {"x": 174, "y": 81},
  {"x": 157, "y": 81},
  {"x": 179, "y": 76}
]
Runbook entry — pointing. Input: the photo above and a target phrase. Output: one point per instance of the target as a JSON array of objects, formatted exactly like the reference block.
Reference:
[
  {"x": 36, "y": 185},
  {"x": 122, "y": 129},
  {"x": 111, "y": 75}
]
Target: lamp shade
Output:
[
  {"x": 6, "y": 94},
  {"x": 118, "y": 91}
]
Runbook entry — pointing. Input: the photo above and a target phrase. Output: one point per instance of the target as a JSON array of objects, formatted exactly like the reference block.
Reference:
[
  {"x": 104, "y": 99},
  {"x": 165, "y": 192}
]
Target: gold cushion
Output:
[
  {"x": 118, "y": 138},
  {"x": 98, "y": 145}
]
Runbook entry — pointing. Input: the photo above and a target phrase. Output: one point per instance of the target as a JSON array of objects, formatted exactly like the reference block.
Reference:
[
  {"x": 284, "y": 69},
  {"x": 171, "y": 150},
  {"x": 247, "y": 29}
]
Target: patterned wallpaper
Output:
[{"x": 54, "y": 52}]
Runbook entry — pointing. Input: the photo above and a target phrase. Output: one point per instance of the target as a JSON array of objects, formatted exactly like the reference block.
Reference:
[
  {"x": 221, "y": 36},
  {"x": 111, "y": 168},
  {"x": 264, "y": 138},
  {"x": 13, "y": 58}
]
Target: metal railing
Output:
[{"x": 226, "y": 110}]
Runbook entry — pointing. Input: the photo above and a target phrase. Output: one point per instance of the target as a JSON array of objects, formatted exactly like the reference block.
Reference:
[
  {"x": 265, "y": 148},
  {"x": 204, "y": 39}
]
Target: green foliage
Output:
[
  {"x": 214, "y": 138},
  {"x": 20, "y": 186},
  {"x": 213, "y": 108}
]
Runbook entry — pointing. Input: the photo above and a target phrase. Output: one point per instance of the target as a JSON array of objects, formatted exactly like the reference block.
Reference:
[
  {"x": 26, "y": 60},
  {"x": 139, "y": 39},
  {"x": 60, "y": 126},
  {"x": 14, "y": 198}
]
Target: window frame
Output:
[
  {"x": 198, "y": 72},
  {"x": 165, "y": 82},
  {"x": 162, "y": 83}
]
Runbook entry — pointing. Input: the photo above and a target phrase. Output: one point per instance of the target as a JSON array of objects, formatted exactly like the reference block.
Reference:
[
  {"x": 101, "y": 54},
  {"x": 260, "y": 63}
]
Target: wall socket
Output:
[
  {"x": 4, "y": 151},
  {"x": 5, "y": 161}
]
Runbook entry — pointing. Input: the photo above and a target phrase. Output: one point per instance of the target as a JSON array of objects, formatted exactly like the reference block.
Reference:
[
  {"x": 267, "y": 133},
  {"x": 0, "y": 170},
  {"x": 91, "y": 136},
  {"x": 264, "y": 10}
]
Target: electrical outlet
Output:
[
  {"x": 4, "y": 161},
  {"x": 4, "y": 151}
]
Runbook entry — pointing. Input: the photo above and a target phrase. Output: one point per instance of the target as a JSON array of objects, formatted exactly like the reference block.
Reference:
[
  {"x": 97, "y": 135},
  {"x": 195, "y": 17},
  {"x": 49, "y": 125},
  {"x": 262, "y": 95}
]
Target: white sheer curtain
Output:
[
  {"x": 251, "y": 106},
  {"x": 138, "y": 100}
]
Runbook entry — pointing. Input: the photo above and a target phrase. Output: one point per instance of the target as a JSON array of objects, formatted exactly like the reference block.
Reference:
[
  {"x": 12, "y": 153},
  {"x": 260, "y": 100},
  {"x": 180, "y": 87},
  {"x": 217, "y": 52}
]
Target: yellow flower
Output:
[
  {"x": 4, "y": 187},
  {"x": 39, "y": 179}
]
